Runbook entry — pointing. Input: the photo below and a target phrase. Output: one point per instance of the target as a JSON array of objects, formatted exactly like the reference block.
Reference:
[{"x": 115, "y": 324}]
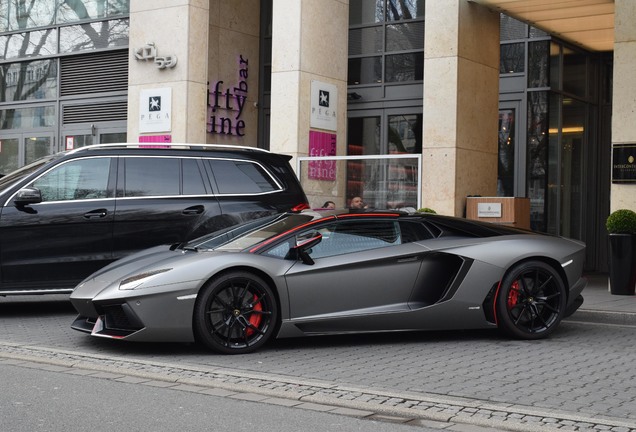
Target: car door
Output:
[
  {"x": 361, "y": 267},
  {"x": 161, "y": 200},
  {"x": 59, "y": 241}
]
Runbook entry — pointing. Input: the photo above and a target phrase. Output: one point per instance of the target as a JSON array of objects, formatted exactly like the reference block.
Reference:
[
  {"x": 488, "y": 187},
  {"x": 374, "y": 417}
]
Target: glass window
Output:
[
  {"x": 37, "y": 147},
  {"x": 512, "y": 58},
  {"x": 402, "y": 37},
  {"x": 353, "y": 236},
  {"x": 538, "y": 67},
  {"x": 413, "y": 231},
  {"x": 367, "y": 70},
  {"x": 405, "y": 67},
  {"x": 365, "y": 11},
  {"x": 506, "y": 170},
  {"x": 78, "y": 10},
  {"x": 75, "y": 180},
  {"x": 405, "y": 133},
  {"x": 151, "y": 177},
  {"x": 27, "y": 14},
  {"x": 365, "y": 41},
  {"x": 96, "y": 35},
  {"x": 241, "y": 177},
  {"x": 192, "y": 179},
  {"x": 574, "y": 72},
  {"x": 32, "y": 80},
  {"x": 404, "y": 9},
  {"x": 511, "y": 29},
  {"x": 29, "y": 44},
  {"x": 9, "y": 155},
  {"x": 27, "y": 118},
  {"x": 537, "y": 158},
  {"x": 363, "y": 136}
]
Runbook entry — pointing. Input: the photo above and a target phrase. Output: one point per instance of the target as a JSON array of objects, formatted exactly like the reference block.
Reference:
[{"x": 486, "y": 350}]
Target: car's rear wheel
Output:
[
  {"x": 235, "y": 313},
  {"x": 531, "y": 300}
]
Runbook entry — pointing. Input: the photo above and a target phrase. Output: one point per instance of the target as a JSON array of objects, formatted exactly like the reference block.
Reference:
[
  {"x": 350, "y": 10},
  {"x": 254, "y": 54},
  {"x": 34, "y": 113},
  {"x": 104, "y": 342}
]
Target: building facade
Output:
[{"x": 438, "y": 99}]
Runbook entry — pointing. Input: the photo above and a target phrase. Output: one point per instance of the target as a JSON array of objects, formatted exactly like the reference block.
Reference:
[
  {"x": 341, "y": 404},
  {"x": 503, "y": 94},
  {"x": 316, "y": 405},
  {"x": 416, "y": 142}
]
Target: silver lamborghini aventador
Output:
[{"x": 300, "y": 274}]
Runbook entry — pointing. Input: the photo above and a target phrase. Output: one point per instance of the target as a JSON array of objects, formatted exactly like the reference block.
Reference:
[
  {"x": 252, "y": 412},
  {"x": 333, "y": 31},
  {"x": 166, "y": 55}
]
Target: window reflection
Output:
[
  {"x": 404, "y": 9},
  {"x": 27, "y": 118},
  {"x": 89, "y": 36},
  {"x": 27, "y": 14},
  {"x": 537, "y": 157},
  {"x": 32, "y": 80},
  {"x": 512, "y": 58},
  {"x": 29, "y": 44},
  {"x": 506, "y": 171}
]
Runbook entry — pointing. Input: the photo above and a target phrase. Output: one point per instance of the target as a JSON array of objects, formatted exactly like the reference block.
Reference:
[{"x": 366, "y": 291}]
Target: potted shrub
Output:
[{"x": 621, "y": 226}]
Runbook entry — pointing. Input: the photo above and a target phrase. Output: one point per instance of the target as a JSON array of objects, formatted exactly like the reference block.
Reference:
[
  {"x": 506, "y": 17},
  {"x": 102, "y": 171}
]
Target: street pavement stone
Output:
[{"x": 582, "y": 378}]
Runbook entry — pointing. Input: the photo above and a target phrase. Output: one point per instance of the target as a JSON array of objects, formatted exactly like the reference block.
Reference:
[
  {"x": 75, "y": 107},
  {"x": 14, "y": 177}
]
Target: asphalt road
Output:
[{"x": 581, "y": 378}]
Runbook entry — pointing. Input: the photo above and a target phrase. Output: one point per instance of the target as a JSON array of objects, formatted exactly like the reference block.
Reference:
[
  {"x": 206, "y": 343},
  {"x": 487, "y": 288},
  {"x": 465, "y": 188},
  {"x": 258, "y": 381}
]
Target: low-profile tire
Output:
[
  {"x": 235, "y": 313},
  {"x": 531, "y": 300}
]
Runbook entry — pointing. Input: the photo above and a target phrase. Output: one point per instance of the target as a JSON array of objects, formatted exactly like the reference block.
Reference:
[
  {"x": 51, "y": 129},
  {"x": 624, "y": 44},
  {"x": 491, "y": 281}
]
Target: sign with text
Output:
[
  {"x": 486, "y": 210},
  {"x": 155, "y": 110},
  {"x": 322, "y": 144},
  {"x": 624, "y": 163},
  {"x": 324, "y": 106}
]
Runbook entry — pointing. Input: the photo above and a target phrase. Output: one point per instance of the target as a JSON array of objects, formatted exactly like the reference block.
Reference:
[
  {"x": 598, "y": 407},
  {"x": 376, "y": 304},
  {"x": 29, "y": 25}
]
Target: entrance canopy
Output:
[{"x": 587, "y": 23}]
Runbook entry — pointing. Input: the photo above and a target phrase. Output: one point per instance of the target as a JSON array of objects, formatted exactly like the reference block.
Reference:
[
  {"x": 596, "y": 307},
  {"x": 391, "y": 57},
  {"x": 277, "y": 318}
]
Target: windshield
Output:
[{"x": 248, "y": 234}]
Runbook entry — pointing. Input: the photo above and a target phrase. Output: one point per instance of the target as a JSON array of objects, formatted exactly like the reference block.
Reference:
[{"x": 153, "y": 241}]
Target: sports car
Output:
[{"x": 315, "y": 273}]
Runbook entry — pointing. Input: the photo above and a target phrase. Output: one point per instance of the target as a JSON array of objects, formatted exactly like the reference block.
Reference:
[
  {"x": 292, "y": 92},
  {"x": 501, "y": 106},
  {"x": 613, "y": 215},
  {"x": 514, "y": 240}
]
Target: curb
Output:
[{"x": 603, "y": 317}]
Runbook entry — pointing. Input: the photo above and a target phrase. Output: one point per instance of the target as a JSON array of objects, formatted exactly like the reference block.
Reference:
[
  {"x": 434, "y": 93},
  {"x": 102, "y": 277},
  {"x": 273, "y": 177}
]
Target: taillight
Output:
[{"x": 299, "y": 207}]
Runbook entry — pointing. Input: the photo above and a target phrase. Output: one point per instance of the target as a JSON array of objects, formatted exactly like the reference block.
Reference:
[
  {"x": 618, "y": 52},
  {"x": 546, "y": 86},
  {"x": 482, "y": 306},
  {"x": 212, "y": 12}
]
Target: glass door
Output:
[
  {"x": 509, "y": 175},
  {"x": 17, "y": 150}
]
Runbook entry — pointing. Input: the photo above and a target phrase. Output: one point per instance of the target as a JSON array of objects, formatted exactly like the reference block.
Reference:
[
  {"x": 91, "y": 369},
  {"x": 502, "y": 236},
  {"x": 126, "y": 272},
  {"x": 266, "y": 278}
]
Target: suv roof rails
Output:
[{"x": 179, "y": 146}]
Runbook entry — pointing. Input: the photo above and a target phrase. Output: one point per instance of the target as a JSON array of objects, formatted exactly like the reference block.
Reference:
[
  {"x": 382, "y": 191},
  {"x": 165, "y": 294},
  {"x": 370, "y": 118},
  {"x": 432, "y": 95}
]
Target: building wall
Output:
[
  {"x": 461, "y": 76},
  {"x": 176, "y": 28},
  {"x": 624, "y": 95},
  {"x": 233, "y": 55}
]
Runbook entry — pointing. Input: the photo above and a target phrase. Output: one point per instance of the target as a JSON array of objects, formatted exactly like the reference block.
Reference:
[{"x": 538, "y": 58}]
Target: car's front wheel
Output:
[
  {"x": 235, "y": 313},
  {"x": 531, "y": 300}
]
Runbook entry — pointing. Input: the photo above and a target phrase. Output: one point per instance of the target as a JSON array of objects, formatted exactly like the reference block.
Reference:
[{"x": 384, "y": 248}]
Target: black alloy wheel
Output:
[
  {"x": 235, "y": 313},
  {"x": 531, "y": 300}
]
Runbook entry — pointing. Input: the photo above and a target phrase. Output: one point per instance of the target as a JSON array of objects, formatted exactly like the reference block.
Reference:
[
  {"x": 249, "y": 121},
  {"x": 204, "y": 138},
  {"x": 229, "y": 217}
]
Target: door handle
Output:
[
  {"x": 197, "y": 209},
  {"x": 95, "y": 214}
]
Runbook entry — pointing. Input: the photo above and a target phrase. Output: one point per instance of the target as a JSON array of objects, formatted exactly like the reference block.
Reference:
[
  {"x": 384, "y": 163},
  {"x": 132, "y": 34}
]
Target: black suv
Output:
[{"x": 67, "y": 215}]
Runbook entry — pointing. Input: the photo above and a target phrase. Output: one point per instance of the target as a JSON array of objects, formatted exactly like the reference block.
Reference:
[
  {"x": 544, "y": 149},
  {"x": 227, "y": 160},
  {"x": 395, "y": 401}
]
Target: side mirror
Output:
[
  {"x": 27, "y": 196},
  {"x": 304, "y": 245}
]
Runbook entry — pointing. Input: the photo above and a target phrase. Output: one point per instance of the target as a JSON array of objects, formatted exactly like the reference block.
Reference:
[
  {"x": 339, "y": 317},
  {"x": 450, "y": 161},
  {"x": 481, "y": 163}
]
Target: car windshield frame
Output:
[{"x": 249, "y": 234}]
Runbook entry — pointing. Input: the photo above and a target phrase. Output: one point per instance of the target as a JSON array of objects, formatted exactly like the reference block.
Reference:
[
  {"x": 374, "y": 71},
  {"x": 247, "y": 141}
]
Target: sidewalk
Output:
[{"x": 599, "y": 306}]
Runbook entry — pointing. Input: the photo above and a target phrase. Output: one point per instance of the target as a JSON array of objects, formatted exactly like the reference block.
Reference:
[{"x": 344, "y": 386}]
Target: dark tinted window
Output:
[
  {"x": 413, "y": 231},
  {"x": 192, "y": 179},
  {"x": 151, "y": 177},
  {"x": 241, "y": 177},
  {"x": 75, "y": 180}
]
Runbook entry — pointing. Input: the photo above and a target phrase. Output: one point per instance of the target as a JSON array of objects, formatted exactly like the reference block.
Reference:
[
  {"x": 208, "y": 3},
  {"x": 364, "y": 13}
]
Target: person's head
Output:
[
  {"x": 329, "y": 205},
  {"x": 356, "y": 202}
]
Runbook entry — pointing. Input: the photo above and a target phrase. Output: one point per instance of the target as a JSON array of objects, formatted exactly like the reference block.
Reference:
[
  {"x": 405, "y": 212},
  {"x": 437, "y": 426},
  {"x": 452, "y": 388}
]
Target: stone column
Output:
[
  {"x": 624, "y": 95},
  {"x": 461, "y": 99},
  {"x": 176, "y": 28},
  {"x": 309, "y": 42}
]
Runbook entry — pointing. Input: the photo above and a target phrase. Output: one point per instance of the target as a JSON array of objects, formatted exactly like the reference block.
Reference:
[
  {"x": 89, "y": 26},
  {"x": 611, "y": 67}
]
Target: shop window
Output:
[
  {"x": 512, "y": 58},
  {"x": 538, "y": 69}
]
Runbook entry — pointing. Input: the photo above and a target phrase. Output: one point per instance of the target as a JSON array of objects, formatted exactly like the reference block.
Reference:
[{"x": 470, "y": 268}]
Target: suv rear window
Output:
[
  {"x": 151, "y": 177},
  {"x": 242, "y": 177}
]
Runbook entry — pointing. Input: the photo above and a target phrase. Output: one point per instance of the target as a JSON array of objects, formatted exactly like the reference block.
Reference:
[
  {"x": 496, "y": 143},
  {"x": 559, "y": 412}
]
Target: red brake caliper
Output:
[
  {"x": 513, "y": 295},
  {"x": 255, "y": 318}
]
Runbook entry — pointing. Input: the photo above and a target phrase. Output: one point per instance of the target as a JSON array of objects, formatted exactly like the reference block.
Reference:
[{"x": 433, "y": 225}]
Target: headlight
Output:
[{"x": 134, "y": 282}]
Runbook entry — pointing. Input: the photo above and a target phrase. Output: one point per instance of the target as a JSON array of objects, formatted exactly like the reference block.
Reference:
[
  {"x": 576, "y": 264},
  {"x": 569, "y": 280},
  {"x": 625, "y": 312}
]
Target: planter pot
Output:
[{"x": 622, "y": 264}]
